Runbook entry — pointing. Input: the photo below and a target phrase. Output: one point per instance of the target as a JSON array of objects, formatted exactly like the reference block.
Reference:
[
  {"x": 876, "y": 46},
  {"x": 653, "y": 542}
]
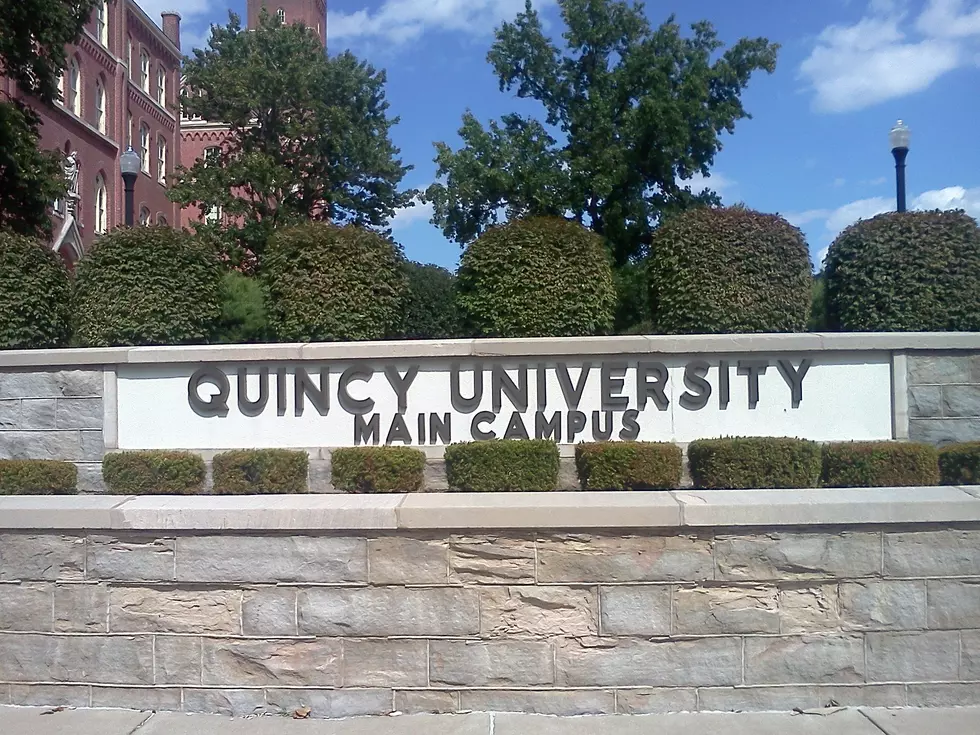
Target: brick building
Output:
[{"x": 120, "y": 87}]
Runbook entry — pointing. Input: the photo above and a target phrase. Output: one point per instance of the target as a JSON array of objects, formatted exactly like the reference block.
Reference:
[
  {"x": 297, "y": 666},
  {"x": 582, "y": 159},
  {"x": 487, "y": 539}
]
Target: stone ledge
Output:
[
  {"x": 538, "y": 347},
  {"x": 430, "y": 511}
]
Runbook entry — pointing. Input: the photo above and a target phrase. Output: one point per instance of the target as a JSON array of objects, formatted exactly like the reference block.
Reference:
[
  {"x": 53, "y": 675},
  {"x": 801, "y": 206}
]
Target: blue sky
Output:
[{"x": 816, "y": 150}]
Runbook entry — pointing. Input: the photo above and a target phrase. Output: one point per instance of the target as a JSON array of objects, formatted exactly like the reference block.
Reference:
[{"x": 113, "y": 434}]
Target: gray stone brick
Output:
[
  {"x": 575, "y": 702},
  {"x": 39, "y": 415},
  {"x": 944, "y": 431},
  {"x": 491, "y": 560},
  {"x": 426, "y": 702},
  {"x": 402, "y": 560},
  {"x": 954, "y": 604},
  {"x": 269, "y": 611},
  {"x": 389, "y": 611},
  {"x": 60, "y": 445},
  {"x": 932, "y": 656},
  {"x": 41, "y": 557},
  {"x": 970, "y": 655},
  {"x": 158, "y": 699},
  {"x": 90, "y": 477},
  {"x": 50, "y": 384},
  {"x": 605, "y": 559},
  {"x": 932, "y": 369},
  {"x": 725, "y": 610},
  {"x": 883, "y": 605},
  {"x": 434, "y": 478},
  {"x": 951, "y": 553},
  {"x": 925, "y": 401},
  {"x": 177, "y": 659},
  {"x": 257, "y": 559},
  {"x": 656, "y": 701},
  {"x": 9, "y": 414},
  {"x": 79, "y": 413},
  {"x": 131, "y": 558},
  {"x": 944, "y": 695},
  {"x": 272, "y": 662},
  {"x": 961, "y": 401},
  {"x": 80, "y": 659},
  {"x": 51, "y": 695},
  {"x": 628, "y": 610},
  {"x": 809, "y": 609},
  {"x": 331, "y": 703},
  {"x": 93, "y": 446},
  {"x": 630, "y": 662},
  {"x": 25, "y": 607},
  {"x": 798, "y": 556},
  {"x": 810, "y": 659},
  {"x": 230, "y": 702},
  {"x": 81, "y": 608},
  {"x": 861, "y": 695},
  {"x": 756, "y": 699},
  {"x": 491, "y": 663},
  {"x": 319, "y": 476},
  {"x": 521, "y": 612},
  {"x": 149, "y": 610},
  {"x": 391, "y": 663}
]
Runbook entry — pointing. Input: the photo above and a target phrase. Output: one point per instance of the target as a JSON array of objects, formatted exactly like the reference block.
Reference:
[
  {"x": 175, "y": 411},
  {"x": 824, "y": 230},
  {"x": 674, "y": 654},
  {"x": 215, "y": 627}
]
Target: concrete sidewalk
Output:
[{"x": 45, "y": 721}]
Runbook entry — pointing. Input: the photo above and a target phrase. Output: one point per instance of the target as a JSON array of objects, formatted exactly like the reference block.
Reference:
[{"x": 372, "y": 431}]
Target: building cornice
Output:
[
  {"x": 150, "y": 105},
  {"x": 165, "y": 44},
  {"x": 100, "y": 53}
]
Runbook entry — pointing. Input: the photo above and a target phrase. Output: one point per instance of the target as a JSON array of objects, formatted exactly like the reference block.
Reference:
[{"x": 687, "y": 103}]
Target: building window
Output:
[
  {"x": 161, "y": 220},
  {"x": 162, "y": 160},
  {"x": 212, "y": 158},
  {"x": 145, "y": 71},
  {"x": 145, "y": 149},
  {"x": 61, "y": 88},
  {"x": 129, "y": 130},
  {"x": 129, "y": 57},
  {"x": 102, "y": 22},
  {"x": 100, "y": 106},
  {"x": 144, "y": 216},
  {"x": 161, "y": 86},
  {"x": 74, "y": 87},
  {"x": 281, "y": 15},
  {"x": 101, "y": 206}
]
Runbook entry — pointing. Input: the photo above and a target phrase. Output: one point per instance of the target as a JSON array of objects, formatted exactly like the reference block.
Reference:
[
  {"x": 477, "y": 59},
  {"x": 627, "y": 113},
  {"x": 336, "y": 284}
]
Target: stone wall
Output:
[
  {"x": 372, "y": 622},
  {"x": 944, "y": 397}
]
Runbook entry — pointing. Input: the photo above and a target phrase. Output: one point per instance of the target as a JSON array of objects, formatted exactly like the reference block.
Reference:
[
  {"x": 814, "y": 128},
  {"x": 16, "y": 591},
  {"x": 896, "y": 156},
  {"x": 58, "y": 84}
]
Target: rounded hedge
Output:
[
  {"x": 35, "y": 295},
  {"x": 909, "y": 271},
  {"x": 725, "y": 270},
  {"x": 146, "y": 286},
  {"x": 537, "y": 277},
  {"x": 327, "y": 283},
  {"x": 430, "y": 310}
]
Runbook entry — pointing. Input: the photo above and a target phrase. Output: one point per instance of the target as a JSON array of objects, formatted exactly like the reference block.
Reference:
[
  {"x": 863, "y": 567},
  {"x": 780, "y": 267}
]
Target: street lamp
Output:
[
  {"x": 899, "y": 140},
  {"x": 129, "y": 167}
]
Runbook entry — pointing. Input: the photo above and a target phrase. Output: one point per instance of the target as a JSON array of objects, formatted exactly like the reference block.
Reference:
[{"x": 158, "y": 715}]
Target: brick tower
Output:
[{"x": 311, "y": 13}]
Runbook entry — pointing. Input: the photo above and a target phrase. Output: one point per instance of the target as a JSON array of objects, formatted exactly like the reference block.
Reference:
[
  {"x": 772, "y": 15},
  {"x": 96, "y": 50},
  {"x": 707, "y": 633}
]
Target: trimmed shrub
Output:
[
  {"x": 716, "y": 270},
  {"x": 754, "y": 463},
  {"x": 329, "y": 283},
  {"x": 146, "y": 286},
  {"x": 880, "y": 464},
  {"x": 377, "y": 469},
  {"x": 35, "y": 295},
  {"x": 959, "y": 464},
  {"x": 908, "y": 271},
  {"x": 153, "y": 473},
  {"x": 243, "y": 314},
  {"x": 537, "y": 277},
  {"x": 503, "y": 466},
  {"x": 430, "y": 310},
  {"x": 37, "y": 477},
  {"x": 628, "y": 465},
  {"x": 260, "y": 472}
]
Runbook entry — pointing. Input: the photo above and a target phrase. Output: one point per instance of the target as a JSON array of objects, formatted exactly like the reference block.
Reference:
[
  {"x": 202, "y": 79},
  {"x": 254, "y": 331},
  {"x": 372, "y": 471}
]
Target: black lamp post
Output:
[
  {"x": 899, "y": 140},
  {"x": 129, "y": 167}
]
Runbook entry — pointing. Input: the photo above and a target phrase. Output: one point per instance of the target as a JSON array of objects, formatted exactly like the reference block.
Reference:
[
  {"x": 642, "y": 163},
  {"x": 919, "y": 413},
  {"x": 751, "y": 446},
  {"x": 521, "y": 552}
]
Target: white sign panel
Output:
[{"x": 817, "y": 396}]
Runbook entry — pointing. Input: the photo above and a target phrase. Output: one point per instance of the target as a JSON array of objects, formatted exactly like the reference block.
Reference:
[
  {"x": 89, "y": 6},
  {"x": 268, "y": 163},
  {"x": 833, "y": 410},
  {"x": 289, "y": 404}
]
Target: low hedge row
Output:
[
  {"x": 378, "y": 469},
  {"x": 503, "y": 466},
  {"x": 959, "y": 464},
  {"x": 628, "y": 465},
  {"x": 37, "y": 477},
  {"x": 879, "y": 464}
]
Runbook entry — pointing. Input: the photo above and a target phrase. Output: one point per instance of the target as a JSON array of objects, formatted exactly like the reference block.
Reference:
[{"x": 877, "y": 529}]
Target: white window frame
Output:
[
  {"x": 281, "y": 15},
  {"x": 144, "y": 148},
  {"x": 102, "y": 22},
  {"x": 162, "y": 159},
  {"x": 100, "y": 106},
  {"x": 214, "y": 213},
  {"x": 101, "y": 206},
  {"x": 145, "y": 71},
  {"x": 129, "y": 57},
  {"x": 144, "y": 216},
  {"x": 161, "y": 86},
  {"x": 75, "y": 87}
]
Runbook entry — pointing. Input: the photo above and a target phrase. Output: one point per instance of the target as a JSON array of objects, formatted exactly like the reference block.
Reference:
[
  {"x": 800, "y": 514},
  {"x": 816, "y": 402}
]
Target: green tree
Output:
[
  {"x": 309, "y": 134},
  {"x": 630, "y": 113},
  {"x": 33, "y": 34},
  {"x": 430, "y": 310}
]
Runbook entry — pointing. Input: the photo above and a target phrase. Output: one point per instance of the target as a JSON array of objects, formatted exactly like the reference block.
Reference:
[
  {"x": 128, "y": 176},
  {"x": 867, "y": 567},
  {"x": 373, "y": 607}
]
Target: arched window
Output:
[
  {"x": 144, "y": 216},
  {"x": 145, "y": 71},
  {"x": 100, "y": 105},
  {"x": 61, "y": 88},
  {"x": 162, "y": 160},
  {"x": 102, "y": 22},
  {"x": 145, "y": 148},
  {"x": 74, "y": 87},
  {"x": 129, "y": 130},
  {"x": 161, "y": 86},
  {"x": 211, "y": 158},
  {"x": 161, "y": 219},
  {"x": 129, "y": 57},
  {"x": 281, "y": 15},
  {"x": 101, "y": 206}
]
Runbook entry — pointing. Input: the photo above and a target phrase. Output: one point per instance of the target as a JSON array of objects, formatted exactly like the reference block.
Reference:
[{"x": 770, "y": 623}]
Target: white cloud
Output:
[
  {"x": 855, "y": 66},
  {"x": 716, "y": 182},
  {"x": 407, "y": 216}
]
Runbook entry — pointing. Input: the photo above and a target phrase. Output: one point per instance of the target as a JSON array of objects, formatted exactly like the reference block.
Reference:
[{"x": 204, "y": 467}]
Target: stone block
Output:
[
  {"x": 9, "y": 414},
  {"x": 320, "y": 477},
  {"x": 51, "y": 695},
  {"x": 131, "y": 558},
  {"x": 952, "y": 553},
  {"x": 229, "y": 702},
  {"x": 934, "y": 369},
  {"x": 51, "y": 384},
  {"x": 391, "y": 663},
  {"x": 157, "y": 699},
  {"x": 961, "y": 401},
  {"x": 25, "y": 607},
  {"x": 491, "y": 663},
  {"x": 560, "y": 703},
  {"x": 313, "y": 663},
  {"x": 331, "y": 703},
  {"x": 269, "y": 611},
  {"x": 389, "y": 611},
  {"x": 434, "y": 478},
  {"x": 604, "y": 559},
  {"x": 59, "y": 445},
  {"x": 88, "y": 659},
  {"x": 516, "y": 612},
  {"x": 925, "y": 401},
  {"x": 81, "y": 608},
  {"x": 944, "y": 695},
  {"x": 656, "y": 701},
  {"x": 403, "y": 560},
  {"x": 810, "y": 659},
  {"x": 756, "y": 699},
  {"x": 429, "y": 701},
  {"x": 41, "y": 557},
  {"x": 151, "y": 610},
  {"x": 861, "y": 695},
  {"x": 629, "y": 662},
  {"x": 177, "y": 659},
  {"x": 970, "y": 655},
  {"x": 93, "y": 445},
  {"x": 79, "y": 413},
  {"x": 90, "y": 477},
  {"x": 256, "y": 559},
  {"x": 725, "y": 610},
  {"x": 491, "y": 560},
  {"x": 635, "y": 610},
  {"x": 788, "y": 556},
  {"x": 809, "y": 609},
  {"x": 954, "y": 604},
  {"x": 883, "y": 605},
  {"x": 39, "y": 414},
  {"x": 931, "y": 656},
  {"x": 944, "y": 431}
]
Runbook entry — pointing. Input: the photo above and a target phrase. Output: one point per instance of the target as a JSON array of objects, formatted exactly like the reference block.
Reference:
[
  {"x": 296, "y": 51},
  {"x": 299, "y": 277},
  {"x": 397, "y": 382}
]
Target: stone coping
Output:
[
  {"x": 470, "y": 348},
  {"x": 679, "y": 509}
]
